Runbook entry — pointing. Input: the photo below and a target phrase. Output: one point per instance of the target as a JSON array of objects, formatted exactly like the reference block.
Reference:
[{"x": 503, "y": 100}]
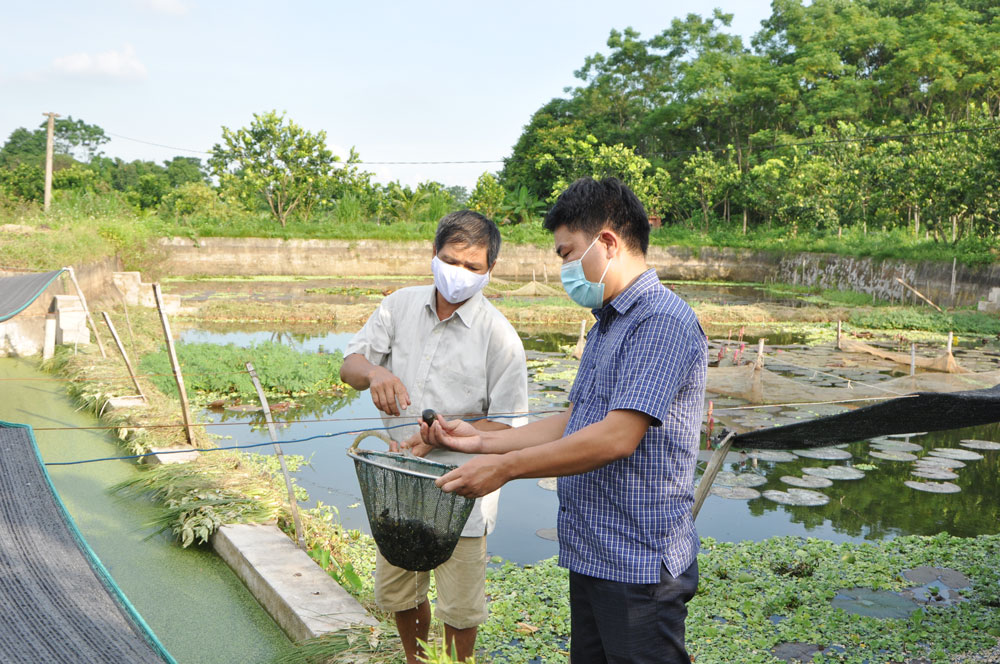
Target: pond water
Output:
[
  {"x": 193, "y": 602},
  {"x": 875, "y": 507}
]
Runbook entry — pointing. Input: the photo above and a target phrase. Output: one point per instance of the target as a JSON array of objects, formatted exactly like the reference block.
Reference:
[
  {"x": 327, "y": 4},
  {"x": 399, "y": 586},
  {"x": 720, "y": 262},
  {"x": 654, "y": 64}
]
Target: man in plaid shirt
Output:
[{"x": 625, "y": 450}]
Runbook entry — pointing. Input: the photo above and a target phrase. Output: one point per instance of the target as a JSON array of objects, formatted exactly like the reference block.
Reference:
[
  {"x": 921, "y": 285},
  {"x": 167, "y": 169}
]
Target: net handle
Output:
[{"x": 381, "y": 435}]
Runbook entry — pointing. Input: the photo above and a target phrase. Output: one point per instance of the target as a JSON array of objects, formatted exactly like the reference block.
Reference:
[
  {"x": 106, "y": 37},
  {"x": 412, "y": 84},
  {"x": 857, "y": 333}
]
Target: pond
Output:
[
  {"x": 877, "y": 506},
  {"x": 195, "y": 604}
]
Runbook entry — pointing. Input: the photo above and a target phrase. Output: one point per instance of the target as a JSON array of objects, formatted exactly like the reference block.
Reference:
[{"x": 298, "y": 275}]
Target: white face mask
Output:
[{"x": 456, "y": 284}]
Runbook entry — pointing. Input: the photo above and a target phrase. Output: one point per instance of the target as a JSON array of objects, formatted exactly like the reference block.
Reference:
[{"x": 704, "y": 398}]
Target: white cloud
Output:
[
  {"x": 169, "y": 7},
  {"x": 117, "y": 65}
]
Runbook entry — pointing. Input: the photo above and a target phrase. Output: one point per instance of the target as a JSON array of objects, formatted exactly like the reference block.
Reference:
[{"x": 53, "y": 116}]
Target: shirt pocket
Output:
[{"x": 464, "y": 390}]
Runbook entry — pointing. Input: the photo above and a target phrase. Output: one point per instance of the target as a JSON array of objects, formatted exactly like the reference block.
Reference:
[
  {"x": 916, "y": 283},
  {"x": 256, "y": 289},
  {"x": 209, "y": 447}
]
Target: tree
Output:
[
  {"x": 488, "y": 196},
  {"x": 76, "y": 138},
  {"x": 274, "y": 162},
  {"x": 521, "y": 205},
  {"x": 181, "y": 170}
]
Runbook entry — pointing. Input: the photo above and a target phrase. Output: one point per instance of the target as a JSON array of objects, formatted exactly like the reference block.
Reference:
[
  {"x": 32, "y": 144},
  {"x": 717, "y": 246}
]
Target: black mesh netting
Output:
[
  {"x": 415, "y": 524},
  {"x": 922, "y": 411}
]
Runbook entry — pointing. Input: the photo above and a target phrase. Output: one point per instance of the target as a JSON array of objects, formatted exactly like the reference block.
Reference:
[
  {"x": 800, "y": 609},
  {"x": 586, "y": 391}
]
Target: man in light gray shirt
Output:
[{"x": 443, "y": 347}]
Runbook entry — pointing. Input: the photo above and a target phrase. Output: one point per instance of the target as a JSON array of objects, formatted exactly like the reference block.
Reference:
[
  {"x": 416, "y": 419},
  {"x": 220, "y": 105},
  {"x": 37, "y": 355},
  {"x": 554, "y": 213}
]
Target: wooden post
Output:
[
  {"x": 49, "y": 143},
  {"x": 292, "y": 503},
  {"x": 913, "y": 359},
  {"x": 954, "y": 270},
  {"x": 121, "y": 349},
  {"x": 714, "y": 464},
  {"x": 545, "y": 273},
  {"x": 839, "y": 331},
  {"x": 951, "y": 339},
  {"x": 83, "y": 301},
  {"x": 759, "y": 362},
  {"x": 175, "y": 365}
]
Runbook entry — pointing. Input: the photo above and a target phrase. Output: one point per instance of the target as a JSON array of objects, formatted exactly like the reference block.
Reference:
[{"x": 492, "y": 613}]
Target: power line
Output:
[
  {"x": 834, "y": 141},
  {"x": 342, "y": 163}
]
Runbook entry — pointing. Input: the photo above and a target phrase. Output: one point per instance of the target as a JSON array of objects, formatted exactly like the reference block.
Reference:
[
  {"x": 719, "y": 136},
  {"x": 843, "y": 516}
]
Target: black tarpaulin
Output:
[
  {"x": 922, "y": 411},
  {"x": 18, "y": 292}
]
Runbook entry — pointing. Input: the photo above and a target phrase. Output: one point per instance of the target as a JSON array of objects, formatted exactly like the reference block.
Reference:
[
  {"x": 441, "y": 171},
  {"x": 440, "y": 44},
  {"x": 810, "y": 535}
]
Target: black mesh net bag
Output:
[{"x": 415, "y": 524}]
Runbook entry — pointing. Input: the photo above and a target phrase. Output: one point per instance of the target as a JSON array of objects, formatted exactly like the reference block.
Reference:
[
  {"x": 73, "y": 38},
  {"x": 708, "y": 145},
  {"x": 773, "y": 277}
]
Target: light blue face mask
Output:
[{"x": 583, "y": 292}]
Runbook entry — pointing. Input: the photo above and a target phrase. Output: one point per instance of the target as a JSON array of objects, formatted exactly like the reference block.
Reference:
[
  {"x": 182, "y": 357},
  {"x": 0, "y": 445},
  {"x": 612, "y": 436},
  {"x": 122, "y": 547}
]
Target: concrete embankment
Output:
[{"x": 964, "y": 286}]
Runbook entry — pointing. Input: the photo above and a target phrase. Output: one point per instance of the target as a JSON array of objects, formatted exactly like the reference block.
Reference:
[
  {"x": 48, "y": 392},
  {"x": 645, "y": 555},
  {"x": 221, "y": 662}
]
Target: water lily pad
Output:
[
  {"x": 795, "y": 651},
  {"x": 974, "y": 444},
  {"x": 551, "y": 534},
  {"x": 826, "y": 453},
  {"x": 897, "y": 446},
  {"x": 943, "y": 575},
  {"x": 939, "y": 462},
  {"x": 772, "y": 455},
  {"x": 835, "y": 473},
  {"x": 933, "y": 487},
  {"x": 744, "y": 480},
  {"x": 873, "y": 603},
  {"x": 939, "y": 474},
  {"x": 955, "y": 453},
  {"x": 893, "y": 455},
  {"x": 807, "y": 482},
  {"x": 548, "y": 483},
  {"x": 803, "y": 497},
  {"x": 735, "y": 492}
]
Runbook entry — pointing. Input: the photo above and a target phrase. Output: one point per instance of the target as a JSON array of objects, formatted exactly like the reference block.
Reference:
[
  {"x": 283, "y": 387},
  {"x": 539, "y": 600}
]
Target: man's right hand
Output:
[
  {"x": 388, "y": 392},
  {"x": 457, "y": 435}
]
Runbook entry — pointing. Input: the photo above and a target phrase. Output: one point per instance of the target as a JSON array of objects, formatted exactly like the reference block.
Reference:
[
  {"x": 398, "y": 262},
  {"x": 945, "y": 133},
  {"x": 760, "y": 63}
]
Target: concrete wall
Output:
[
  {"x": 24, "y": 334},
  {"x": 257, "y": 256}
]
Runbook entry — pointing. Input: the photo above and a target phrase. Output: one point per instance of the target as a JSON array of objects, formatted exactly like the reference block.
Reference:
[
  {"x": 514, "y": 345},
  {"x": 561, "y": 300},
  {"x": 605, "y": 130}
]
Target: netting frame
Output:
[{"x": 451, "y": 510}]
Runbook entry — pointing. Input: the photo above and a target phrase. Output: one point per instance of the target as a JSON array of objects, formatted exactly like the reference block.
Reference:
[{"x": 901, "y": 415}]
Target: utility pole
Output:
[{"x": 48, "y": 158}]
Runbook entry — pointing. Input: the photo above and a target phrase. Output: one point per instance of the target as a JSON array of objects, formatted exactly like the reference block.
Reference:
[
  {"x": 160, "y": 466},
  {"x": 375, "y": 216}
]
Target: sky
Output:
[{"x": 398, "y": 81}]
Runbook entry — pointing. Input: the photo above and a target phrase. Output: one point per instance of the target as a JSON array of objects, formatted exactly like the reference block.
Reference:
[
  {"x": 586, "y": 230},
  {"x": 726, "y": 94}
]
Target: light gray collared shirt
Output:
[{"x": 470, "y": 364}]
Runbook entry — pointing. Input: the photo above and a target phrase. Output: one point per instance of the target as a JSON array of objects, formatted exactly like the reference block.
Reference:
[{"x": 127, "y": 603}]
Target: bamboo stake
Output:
[
  {"x": 839, "y": 331},
  {"x": 292, "y": 503},
  {"x": 83, "y": 301},
  {"x": 172, "y": 354},
  {"x": 919, "y": 294},
  {"x": 714, "y": 465},
  {"x": 128, "y": 322},
  {"x": 758, "y": 363},
  {"x": 121, "y": 349},
  {"x": 913, "y": 359}
]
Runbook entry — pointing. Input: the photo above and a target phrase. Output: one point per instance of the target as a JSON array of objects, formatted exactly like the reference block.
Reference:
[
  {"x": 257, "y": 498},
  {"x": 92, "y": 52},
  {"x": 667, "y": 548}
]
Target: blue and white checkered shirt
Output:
[{"x": 621, "y": 522}]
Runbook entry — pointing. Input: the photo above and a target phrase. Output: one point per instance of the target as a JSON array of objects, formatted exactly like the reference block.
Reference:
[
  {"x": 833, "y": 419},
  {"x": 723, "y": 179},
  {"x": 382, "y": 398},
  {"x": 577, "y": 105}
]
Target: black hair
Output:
[
  {"x": 591, "y": 205},
  {"x": 471, "y": 228}
]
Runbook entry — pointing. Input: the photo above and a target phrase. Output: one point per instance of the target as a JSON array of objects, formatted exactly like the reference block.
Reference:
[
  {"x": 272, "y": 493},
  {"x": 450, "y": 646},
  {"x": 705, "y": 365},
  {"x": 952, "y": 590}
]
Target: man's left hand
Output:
[{"x": 475, "y": 478}]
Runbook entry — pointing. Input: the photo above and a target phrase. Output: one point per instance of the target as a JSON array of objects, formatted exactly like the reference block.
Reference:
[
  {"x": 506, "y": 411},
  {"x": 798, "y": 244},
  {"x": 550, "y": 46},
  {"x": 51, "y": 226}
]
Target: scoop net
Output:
[{"x": 415, "y": 524}]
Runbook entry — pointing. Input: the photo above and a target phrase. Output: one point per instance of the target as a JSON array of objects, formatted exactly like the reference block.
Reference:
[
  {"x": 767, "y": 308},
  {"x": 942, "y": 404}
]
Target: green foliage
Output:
[
  {"x": 488, "y": 196},
  {"x": 897, "y": 104},
  {"x": 211, "y": 371},
  {"x": 521, "y": 206},
  {"x": 970, "y": 323}
]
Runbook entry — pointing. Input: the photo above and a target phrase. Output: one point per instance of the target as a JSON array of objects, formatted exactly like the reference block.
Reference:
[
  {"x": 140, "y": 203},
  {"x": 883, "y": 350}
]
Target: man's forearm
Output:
[
  {"x": 355, "y": 371},
  {"x": 615, "y": 437},
  {"x": 536, "y": 433}
]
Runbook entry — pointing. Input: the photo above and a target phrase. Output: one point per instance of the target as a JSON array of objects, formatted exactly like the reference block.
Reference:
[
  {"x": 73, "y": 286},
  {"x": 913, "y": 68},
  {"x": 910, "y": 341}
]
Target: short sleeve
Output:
[
  {"x": 657, "y": 359},
  {"x": 507, "y": 376},
  {"x": 374, "y": 340}
]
